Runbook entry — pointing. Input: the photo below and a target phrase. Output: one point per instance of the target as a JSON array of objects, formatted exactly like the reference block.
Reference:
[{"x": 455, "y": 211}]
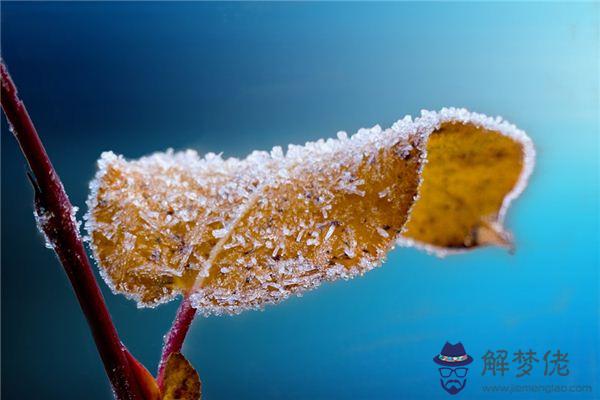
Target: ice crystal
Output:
[{"x": 42, "y": 220}]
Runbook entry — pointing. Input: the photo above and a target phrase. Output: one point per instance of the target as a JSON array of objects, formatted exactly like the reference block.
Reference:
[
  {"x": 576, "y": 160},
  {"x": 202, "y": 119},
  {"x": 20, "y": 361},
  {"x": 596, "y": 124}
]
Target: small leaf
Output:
[
  {"x": 238, "y": 234},
  {"x": 181, "y": 380}
]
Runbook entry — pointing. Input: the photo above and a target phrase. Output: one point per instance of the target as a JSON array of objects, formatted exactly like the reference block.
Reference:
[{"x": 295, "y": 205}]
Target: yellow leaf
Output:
[
  {"x": 181, "y": 380},
  {"x": 238, "y": 234},
  {"x": 472, "y": 174}
]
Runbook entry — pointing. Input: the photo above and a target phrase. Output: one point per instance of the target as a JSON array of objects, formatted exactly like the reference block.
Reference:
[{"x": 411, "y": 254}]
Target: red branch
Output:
[
  {"x": 176, "y": 335},
  {"x": 61, "y": 231}
]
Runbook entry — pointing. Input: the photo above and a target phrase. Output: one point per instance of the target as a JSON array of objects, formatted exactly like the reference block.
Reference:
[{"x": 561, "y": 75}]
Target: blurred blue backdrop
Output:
[{"x": 234, "y": 77}]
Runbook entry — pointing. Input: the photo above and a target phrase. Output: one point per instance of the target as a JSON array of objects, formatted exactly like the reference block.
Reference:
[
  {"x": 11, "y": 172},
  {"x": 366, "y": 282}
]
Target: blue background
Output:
[{"x": 231, "y": 77}]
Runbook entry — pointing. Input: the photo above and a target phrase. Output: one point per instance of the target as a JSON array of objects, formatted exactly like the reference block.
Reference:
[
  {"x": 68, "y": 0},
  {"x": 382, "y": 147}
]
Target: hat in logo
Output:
[{"x": 453, "y": 355}]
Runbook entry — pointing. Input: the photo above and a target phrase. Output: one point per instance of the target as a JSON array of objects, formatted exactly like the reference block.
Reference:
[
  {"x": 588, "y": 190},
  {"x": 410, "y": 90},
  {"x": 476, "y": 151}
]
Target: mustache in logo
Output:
[
  {"x": 453, "y": 386},
  {"x": 450, "y": 382}
]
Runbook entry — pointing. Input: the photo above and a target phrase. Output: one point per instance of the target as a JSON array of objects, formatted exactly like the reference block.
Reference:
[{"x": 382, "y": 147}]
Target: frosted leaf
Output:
[{"x": 238, "y": 234}]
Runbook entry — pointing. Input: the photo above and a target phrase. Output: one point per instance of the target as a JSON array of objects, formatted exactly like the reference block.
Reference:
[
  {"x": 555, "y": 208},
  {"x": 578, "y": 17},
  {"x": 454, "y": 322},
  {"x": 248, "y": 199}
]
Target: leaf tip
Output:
[{"x": 492, "y": 233}]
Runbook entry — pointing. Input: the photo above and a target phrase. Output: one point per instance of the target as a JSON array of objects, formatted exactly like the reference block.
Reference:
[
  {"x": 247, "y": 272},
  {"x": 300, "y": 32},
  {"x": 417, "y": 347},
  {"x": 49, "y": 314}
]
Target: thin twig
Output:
[
  {"x": 59, "y": 226},
  {"x": 175, "y": 337}
]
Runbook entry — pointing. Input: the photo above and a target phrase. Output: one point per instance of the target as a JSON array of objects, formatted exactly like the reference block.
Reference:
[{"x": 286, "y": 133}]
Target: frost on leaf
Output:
[{"x": 237, "y": 234}]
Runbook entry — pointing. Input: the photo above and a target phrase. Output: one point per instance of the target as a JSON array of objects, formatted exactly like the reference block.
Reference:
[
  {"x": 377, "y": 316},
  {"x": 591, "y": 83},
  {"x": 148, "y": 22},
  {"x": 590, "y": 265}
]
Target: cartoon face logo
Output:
[{"x": 452, "y": 360}]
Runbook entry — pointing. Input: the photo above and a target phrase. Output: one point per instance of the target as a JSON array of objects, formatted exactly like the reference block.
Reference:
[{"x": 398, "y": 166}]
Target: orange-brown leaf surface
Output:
[
  {"x": 465, "y": 187},
  {"x": 181, "y": 380},
  {"x": 238, "y": 234}
]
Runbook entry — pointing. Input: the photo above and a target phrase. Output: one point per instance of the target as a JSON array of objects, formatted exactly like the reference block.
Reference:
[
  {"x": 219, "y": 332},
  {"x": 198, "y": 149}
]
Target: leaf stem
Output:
[
  {"x": 175, "y": 337},
  {"x": 62, "y": 232}
]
